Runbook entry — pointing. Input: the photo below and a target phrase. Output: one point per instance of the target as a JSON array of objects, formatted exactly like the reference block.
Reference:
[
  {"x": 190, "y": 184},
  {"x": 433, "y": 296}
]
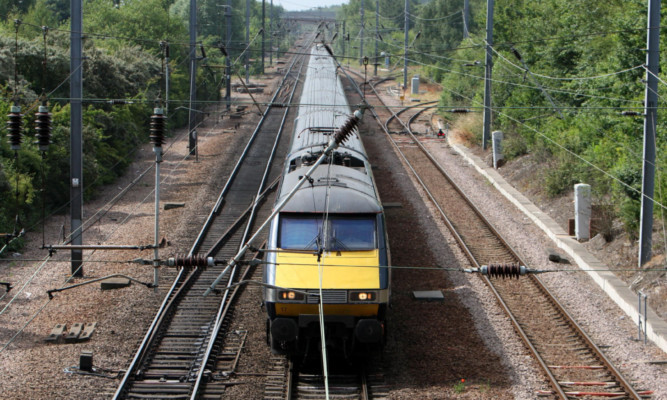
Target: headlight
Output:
[
  {"x": 363, "y": 296},
  {"x": 290, "y": 295}
]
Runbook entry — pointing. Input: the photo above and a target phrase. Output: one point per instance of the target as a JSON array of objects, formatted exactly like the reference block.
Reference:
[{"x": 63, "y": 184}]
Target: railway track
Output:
[
  {"x": 190, "y": 344},
  {"x": 573, "y": 364},
  {"x": 291, "y": 380}
]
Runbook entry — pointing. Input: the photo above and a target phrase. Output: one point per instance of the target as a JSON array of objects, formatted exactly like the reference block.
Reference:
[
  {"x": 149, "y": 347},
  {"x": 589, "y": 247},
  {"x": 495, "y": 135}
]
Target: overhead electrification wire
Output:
[
  {"x": 416, "y": 17},
  {"x": 574, "y": 78},
  {"x": 564, "y": 148},
  {"x": 39, "y": 269},
  {"x": 391, "y": 18},
  {"x": 656, "y": 76},
  {"x": 550, "y": 89}
]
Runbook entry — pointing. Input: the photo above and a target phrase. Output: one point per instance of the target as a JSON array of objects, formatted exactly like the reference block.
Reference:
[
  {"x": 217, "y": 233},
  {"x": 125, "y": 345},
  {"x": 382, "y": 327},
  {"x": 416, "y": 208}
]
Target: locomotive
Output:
[{"x": 327, "y": 258}]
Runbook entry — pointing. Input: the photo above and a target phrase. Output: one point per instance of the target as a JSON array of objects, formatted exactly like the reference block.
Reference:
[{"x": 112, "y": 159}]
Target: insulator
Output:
[
  {"x": 43, "y": 128},
  {"x": 346, "y": 130},
  {"x": 158, "y": 127},
  {"x": 197, "y": 260},
  {"x": 15, "y": 127},
  {"x": 504, "y": 270}
]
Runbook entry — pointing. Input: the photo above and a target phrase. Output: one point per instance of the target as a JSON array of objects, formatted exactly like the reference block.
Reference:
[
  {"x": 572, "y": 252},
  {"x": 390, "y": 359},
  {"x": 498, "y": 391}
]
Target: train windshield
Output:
[{"x": 307, "y": 232}]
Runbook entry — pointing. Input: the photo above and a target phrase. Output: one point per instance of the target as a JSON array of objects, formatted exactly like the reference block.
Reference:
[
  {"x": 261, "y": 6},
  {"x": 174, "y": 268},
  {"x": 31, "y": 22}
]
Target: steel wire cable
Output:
[
  {"x": 656, "y": 76},
  {"x": 401, "y": 57},
  {"x": 415, "y": 17},
  {"x": 564, "y": 148},
  {"x": 549, "y": 89},
  {"x": 92, "y": 253},
  {"x": 630, "y": 150},
  {"x": 549, "y": 38},
  {"x": 402, "y": 13},
  {"x": 575, "y": 78}
]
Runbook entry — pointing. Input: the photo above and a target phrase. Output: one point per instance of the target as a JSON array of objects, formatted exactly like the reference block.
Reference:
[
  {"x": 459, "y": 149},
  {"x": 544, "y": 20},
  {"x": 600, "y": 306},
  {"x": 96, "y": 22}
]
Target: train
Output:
[{"x": 329, "y": 240}]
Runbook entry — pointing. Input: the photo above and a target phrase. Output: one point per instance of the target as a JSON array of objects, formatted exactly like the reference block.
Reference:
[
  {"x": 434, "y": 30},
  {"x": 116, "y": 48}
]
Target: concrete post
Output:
[
  {"x": 497, "y": 139},
  {"x": 582, "y": 211}
]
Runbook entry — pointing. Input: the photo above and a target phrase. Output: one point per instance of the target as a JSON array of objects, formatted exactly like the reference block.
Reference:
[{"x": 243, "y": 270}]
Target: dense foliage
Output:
[
  {"x": 564, "y": 70},
  {"x": 123, "y": 61}
]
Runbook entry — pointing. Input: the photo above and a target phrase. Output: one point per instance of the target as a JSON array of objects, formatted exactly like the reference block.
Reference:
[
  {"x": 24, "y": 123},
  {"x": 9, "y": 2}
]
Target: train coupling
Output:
[{"x": 503, "y": 270}]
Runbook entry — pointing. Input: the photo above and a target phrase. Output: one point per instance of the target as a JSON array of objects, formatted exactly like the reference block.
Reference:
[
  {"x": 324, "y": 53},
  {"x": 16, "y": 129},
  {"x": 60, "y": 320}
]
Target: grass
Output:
[{"x": 460, "y": 386}]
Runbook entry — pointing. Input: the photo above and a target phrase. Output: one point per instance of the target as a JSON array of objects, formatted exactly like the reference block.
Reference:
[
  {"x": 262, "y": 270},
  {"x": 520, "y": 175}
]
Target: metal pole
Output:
[
  {"x": 76, "y": 138},
  {"x": 377, "y": 35},
  {"x": 247, "y": 40},
  {"x": 344, "y": 39},
  {"x": 271, "y": 34},
  {"x": 487, "y": 74},
  {"x": 192, "y": 116},
  {"x": 651, "y": 113},
  {"x": 166, "y": 80},
  {"x": 263, "y": 31},
  {"x": 406, "y": 27},
  {"x": 228, "y": 62},
  {"x": 156, "y": 256},
  {"x": 361, "y": 34},
  {"x": 466, "y": 18}
]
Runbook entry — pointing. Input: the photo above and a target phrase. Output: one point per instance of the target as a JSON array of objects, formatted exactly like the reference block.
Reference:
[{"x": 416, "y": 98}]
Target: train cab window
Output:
[
  {"x": 300, "y": 233},
  {"x": 352, "y": 233},
  {"x": 305, "y": 232}
]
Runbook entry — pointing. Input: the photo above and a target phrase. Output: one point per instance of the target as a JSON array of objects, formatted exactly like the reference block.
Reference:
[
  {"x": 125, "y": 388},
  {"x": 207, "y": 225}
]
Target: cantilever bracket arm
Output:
[
  {"x": 52, "y": 291},
  {"x": 261, "y": 112},
  {"x": 52, "y": 248}
]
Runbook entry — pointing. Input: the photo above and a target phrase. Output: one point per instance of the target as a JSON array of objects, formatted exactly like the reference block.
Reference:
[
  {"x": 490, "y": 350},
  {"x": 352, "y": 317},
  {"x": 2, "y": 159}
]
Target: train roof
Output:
[
  {"x": 333, "y": 189},
  {"x": 344, "y": 182},
  {"x": 323, "y": 108}
]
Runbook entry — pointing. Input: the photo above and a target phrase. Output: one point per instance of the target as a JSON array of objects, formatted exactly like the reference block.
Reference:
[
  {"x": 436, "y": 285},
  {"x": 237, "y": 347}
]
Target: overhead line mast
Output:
[
  {"x": 650, "y": 121},
  {"x": 76, "y": 138}
]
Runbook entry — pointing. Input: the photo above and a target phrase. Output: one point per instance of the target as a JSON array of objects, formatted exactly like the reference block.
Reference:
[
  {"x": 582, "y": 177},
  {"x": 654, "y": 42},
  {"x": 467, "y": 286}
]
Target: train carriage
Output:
[{"x": 329, "y": 238}]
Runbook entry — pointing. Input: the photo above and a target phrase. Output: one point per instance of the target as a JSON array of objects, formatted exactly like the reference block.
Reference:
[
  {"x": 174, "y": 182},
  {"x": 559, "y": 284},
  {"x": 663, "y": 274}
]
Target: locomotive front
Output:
[{"x": 328, "y": 252}]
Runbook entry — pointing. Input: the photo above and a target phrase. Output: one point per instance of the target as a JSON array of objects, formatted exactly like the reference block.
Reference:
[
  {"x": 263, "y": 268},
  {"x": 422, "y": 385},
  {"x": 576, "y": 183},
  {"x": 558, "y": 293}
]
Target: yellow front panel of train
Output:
[{"x": 340, "y": 270}]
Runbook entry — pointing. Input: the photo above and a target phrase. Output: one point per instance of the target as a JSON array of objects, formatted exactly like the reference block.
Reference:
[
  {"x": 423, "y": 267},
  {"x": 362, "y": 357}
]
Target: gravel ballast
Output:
[{"x": 431, "y": 346}]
